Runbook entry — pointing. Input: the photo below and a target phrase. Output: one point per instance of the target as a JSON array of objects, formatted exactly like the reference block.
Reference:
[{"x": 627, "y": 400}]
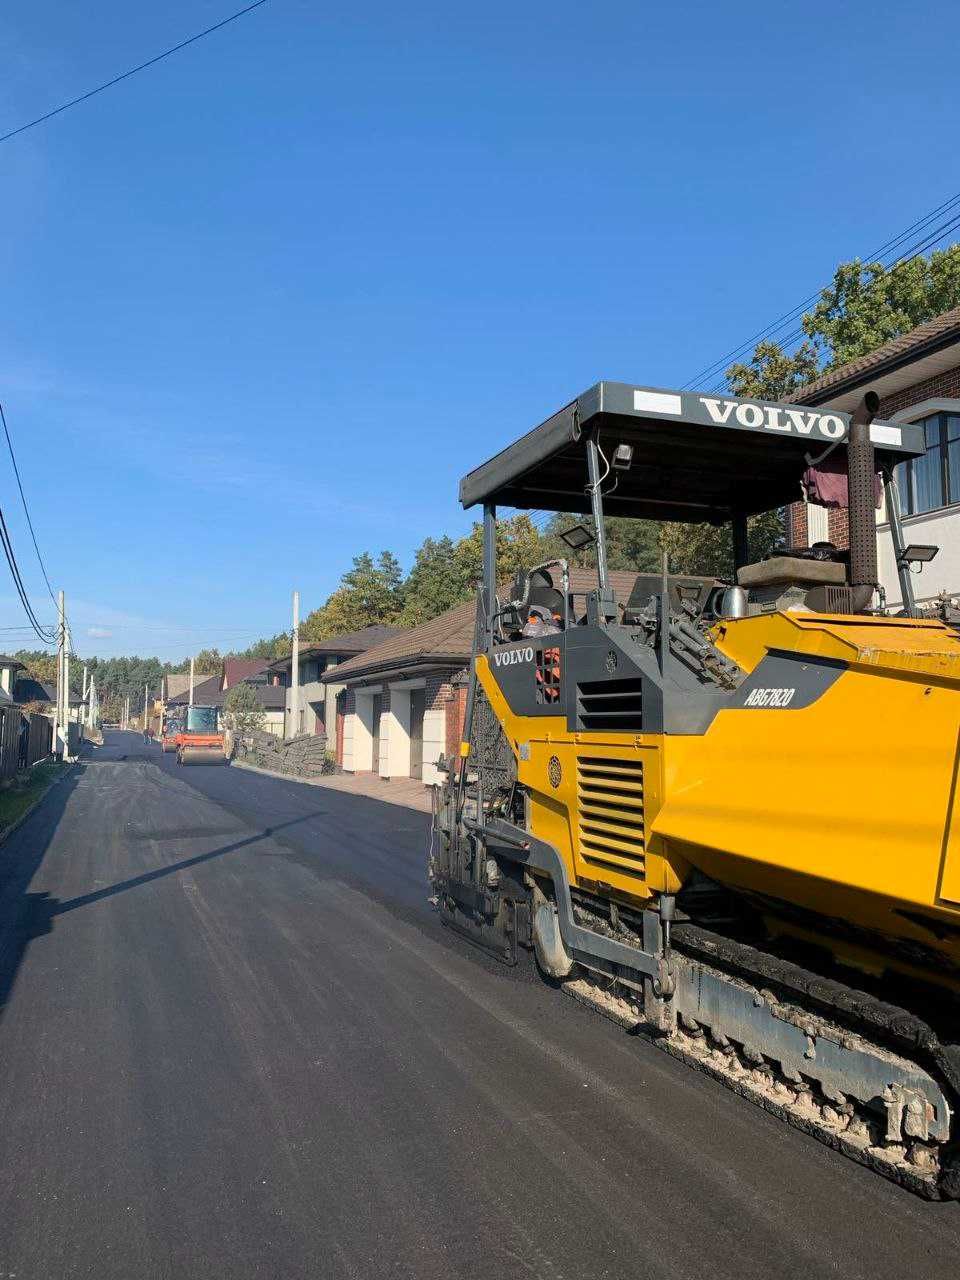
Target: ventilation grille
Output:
[
  {"x": 610, "y": 812},
  {"x": 611, "y": 704}
]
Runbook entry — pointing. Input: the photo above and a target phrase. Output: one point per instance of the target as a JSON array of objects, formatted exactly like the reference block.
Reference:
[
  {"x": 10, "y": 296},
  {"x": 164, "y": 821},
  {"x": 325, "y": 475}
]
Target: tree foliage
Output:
[
  {"x": 866, "y": 305},
  {"x": 433, "y": 585},
  {"x": 772, "y": 374},
  {"x": 243, "y": 713},
  {"x": 369, "y": 593}
]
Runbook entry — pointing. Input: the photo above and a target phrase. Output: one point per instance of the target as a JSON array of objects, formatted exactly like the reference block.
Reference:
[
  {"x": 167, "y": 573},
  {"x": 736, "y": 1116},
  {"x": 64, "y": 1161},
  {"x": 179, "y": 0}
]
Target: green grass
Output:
[{"x": 17, "y": 795}]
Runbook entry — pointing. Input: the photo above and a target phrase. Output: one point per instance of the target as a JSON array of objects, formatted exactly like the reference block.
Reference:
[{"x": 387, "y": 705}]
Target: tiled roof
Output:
[
  {"x": 180, "y": 683},
  {"x": 448, "y": 638},
  {"x": 270, "y": 696},
  {"x": 350, "y": 642},
  {"x": 206, "y": 693},
  {"x": 237, "y": 669},
  {"x": 26, "y": 689},
  {"x": 938, "y": 332}
]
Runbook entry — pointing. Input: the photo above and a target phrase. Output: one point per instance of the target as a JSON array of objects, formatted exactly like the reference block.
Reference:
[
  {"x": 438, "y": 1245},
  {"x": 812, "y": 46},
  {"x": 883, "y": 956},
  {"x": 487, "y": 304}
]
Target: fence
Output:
[
  {"x": 25, "y": 738},
  {"x": 39, "y": 737}
]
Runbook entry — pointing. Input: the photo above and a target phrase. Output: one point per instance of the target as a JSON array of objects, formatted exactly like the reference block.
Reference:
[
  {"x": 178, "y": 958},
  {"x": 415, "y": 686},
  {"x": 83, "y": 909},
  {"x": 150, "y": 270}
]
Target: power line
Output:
[
  {"x": 26, "y": 511},
  {"x": 794, "y": 313},
  {"x": 789, "y": 316},
  {"x": 909, "y": 255},
  {"x": 42, "y": 635},
  {"x": 152, "y": 62}
]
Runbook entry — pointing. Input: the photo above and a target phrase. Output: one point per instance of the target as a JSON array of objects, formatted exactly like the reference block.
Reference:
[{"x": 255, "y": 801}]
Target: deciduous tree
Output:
[{"x": 242, "y": 711}]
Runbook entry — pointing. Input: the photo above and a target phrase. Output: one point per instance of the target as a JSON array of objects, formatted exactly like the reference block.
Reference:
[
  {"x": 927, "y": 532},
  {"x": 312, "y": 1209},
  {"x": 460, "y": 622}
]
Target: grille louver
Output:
[
  {"x": 611, "y": 704},
  {"x": 610, "y": 813}
]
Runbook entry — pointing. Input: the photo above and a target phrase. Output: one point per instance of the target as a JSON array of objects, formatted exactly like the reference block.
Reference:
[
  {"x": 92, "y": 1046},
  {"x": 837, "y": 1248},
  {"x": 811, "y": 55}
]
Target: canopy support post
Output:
[
  {"x": 596, "y": 507},
  {"x": 489, "y": 565},
  {"x": 892, "y": 495},
  {"x": 741, "y": 548}
]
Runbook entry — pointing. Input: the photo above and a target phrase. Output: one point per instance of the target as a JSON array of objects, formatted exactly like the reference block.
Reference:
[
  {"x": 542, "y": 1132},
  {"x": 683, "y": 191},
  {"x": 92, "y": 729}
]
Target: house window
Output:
[{"x": 932, "y": 481}]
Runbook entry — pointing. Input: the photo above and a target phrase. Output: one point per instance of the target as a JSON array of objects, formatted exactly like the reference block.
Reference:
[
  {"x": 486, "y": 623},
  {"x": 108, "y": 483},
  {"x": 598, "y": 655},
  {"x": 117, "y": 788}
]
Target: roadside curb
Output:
[
  {"x": 32, "y": 808},
  {"x": 272, "y": 773}
]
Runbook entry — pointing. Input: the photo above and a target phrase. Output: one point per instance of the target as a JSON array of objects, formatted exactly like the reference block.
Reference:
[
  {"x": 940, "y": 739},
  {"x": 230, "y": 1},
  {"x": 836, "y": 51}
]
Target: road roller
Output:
[
  {"x": 199, "y": 741},
  {"x": 720, "y": 812}
]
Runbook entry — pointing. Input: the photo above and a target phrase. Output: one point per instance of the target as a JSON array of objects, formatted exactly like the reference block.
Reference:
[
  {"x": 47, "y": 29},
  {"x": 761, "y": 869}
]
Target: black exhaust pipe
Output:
[{"x": 861, "y": 504}]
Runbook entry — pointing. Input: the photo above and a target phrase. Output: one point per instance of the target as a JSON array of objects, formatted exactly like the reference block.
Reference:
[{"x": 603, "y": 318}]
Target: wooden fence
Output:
[{"x": 25, "y": 738}]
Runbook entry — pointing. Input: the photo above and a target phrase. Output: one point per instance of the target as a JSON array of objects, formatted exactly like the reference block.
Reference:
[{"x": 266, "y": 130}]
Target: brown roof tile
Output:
[
  {"x": 350, "y": 642},
  {"x": 206, "y": 693},
  {"x": 179, "y": 682},
  {"x": 237, "y": 669}
]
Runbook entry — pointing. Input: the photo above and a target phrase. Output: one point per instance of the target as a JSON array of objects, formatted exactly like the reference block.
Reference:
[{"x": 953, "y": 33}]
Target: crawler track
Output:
[{"x": 828, "y": 1007}]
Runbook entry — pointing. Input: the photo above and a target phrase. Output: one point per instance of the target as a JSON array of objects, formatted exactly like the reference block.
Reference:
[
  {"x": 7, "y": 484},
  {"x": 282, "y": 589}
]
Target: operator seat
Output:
[{"x": 536, "y": 588}]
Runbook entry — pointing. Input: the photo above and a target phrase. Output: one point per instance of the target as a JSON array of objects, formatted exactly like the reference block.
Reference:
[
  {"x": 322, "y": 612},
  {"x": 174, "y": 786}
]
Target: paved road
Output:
[{"x": 236, "y": 1043}]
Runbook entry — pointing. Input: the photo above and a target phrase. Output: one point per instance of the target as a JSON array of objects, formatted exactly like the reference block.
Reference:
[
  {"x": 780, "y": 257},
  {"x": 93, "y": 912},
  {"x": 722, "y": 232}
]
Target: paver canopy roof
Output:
[{"x": 695, "y": 456}]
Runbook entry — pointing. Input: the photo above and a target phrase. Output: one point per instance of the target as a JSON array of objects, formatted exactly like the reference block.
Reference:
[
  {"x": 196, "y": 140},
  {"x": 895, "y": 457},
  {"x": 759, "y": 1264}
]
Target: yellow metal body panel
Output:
[
  {"x": 554, "y": 809},
  {"x": 843, "y": 808}
]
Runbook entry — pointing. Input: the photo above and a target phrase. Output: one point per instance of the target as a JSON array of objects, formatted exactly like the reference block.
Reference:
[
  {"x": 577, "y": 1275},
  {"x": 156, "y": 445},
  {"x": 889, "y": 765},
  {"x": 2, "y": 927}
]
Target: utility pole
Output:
[
  {"x": 295, "y": 670},
  {"x": 190, "y": 703},
  {"x": 66, "y": 692},
  {"x": 146, "y": 697},
  {"x": 58, "y": 714},
  {"x": 126, "y": 713}
]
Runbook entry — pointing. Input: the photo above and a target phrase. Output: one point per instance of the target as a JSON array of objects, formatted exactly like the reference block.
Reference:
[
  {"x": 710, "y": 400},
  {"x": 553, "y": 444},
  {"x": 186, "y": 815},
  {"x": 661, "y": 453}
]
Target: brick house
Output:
[
  {"x": 917, "y": 377},
  {"x": 402, "y": 703}
]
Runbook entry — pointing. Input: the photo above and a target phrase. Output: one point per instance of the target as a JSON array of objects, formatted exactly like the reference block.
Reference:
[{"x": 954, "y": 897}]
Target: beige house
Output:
[{"x": 313, "y": 708}]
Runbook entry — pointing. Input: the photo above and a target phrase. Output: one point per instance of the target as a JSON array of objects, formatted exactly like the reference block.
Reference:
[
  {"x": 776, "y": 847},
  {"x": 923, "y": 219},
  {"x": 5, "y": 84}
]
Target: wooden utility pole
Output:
[
  {"x": 58, "y": 718},
  {"x": 66, "y": 692},
  {"x": 190, "y": 703},
  {"x": 295, "y": 669}
]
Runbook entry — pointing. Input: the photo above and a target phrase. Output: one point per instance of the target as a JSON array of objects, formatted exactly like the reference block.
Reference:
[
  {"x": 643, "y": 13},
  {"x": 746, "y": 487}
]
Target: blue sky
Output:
[{"x": 266, "y": 302}]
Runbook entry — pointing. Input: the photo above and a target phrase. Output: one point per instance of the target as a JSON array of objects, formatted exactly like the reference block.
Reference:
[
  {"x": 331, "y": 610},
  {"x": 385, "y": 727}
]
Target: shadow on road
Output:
[
  {"x": 71, "y": 904},
  {"x": 363, "y": 843},
  {"x": 24, "y": 915}
]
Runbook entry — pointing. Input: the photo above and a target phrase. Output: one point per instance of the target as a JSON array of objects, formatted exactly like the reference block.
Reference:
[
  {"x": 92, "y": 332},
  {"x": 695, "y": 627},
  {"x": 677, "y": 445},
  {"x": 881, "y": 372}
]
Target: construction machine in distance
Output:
[
  {"x": 722, "y": 814},
  {"x": 171, "y": 725},
  {"x": 200, "y": 741}
]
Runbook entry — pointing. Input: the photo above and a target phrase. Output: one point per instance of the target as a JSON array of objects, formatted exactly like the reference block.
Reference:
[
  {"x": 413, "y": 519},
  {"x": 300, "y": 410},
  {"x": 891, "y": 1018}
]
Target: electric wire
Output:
[
  {"x": 42, "y": 635},
  {"x": 23, "y": 499},
  {"x": 914, "y": 252},
  {"x": 789, "y": 316},
  {"x": 908, "y": 254},
  {"x": 151, "y": 62}
]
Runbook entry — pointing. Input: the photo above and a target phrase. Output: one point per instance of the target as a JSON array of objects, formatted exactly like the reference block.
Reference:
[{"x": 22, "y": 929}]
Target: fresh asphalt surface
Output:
[{"x": 237, "y": 1043}]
